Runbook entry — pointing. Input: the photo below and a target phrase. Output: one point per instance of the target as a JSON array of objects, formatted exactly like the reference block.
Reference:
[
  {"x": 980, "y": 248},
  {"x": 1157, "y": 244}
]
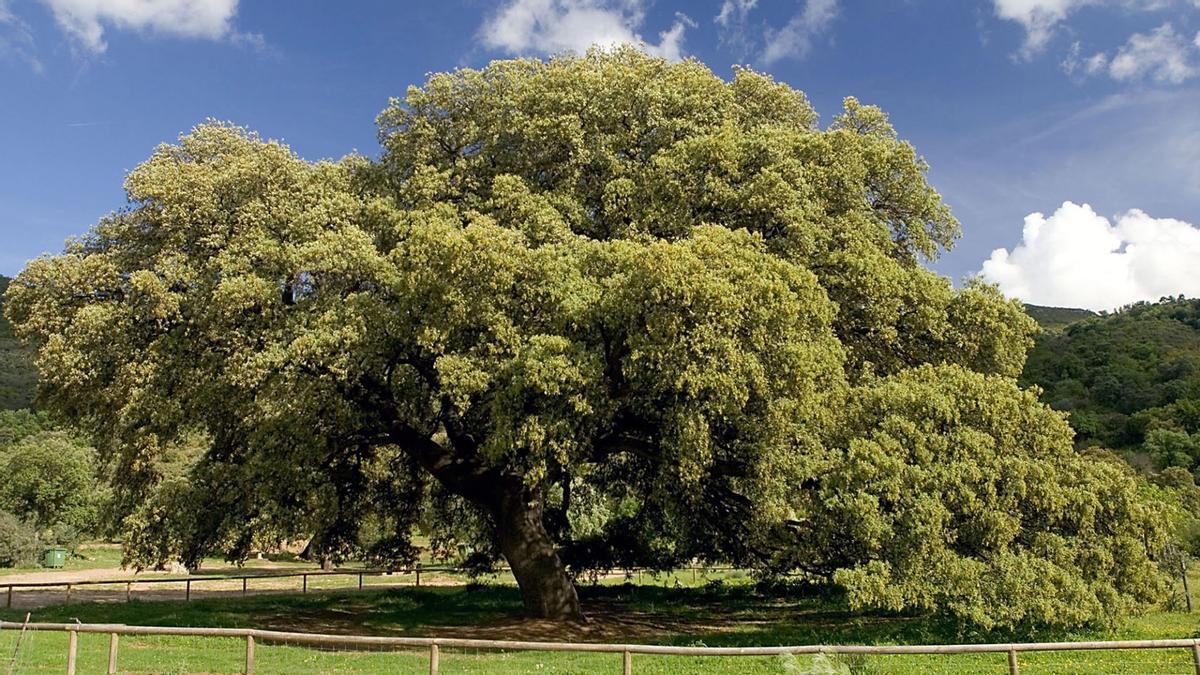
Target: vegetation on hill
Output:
[
  {"x": 1054, "y": 319},
  {"x": 584, "y": 314},
  {"x": 1130, "y": 380},
  {"x": 18, "y": 375}
]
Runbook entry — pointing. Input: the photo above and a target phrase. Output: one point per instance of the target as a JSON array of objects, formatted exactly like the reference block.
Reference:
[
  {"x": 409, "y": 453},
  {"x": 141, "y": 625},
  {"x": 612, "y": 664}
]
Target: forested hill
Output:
[
  {"x": 1057, "y": 318},
  {"x": 1130, "y": 379},
  {"x": 17, "y": 374}
]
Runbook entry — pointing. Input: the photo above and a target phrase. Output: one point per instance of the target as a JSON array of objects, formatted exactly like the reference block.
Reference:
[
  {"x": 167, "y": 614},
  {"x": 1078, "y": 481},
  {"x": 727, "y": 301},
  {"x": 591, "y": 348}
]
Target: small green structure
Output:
[{"x": 55, "y": 557}]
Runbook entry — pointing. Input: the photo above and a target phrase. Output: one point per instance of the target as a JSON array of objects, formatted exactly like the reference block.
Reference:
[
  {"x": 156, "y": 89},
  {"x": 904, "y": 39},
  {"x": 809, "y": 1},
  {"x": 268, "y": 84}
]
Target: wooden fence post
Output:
[
  {"x": 1187, "y": 591},
  {"x": 249, "y": 655},
  {"x": 112, "y": 653},
  {"x": 418, "y": 574},
  {"x": 304, "y": 589},
  {"x": 128, "y": 590},
  {"x": 72, "y": 652},
  {"x": 1013, "y": 669},
  {"x": 243, "y": 585},
  {"x": 8, "y": 604},
  {"x": 360, "y": 581},
  {"x": 434, "y": 657},
  {"x": 68, "y": 592},
  {"x": 187, "y": 590},
  {"x": 628, "y": 669},
  {"x": 1196, "y": 655}
]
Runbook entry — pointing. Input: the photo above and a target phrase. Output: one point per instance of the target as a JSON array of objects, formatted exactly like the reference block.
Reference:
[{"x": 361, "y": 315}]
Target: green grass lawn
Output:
[{"x": 729, "y": 614}]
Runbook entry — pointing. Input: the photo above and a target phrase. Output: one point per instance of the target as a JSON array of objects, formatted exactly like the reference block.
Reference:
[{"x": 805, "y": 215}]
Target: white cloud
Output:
[
  {"x": 1038, "y": 17},
  {"x": 86, "y": 20},
  {"x": 795, "y": 39},
  {"x": 1076, "y": 258},
  {"x": 1162, "y": 55},
  {"x": 1041, "y": 18},
  {"x": 1076, "y": 63},
  {"x": 734, "y": 12},
  {"x": 731, "y": 22},
  {"x": 16, "y": 39},
  {"x": 553, "y": 26}
]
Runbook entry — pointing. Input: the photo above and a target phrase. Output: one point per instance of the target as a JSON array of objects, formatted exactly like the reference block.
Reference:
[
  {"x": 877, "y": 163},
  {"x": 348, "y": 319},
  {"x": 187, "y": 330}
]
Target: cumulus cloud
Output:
[
  {"x": 795, "y": 39},
  {"x": 1038, "y": 17},
  {"x": 1077, "y": 258},
  {"x": 1162, "y": 55},
  {"x": 553, "y": 26},
  {"x": 86, "y": 20},
  {"x": 1041, "y": 18}
]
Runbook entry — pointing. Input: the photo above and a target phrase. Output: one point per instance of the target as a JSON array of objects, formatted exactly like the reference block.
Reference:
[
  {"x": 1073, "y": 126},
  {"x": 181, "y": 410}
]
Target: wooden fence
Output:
[
  {"x": 129, "y": 584},
  {"x": 627, "y": 651},
  {"x": 188, "y": 581}
]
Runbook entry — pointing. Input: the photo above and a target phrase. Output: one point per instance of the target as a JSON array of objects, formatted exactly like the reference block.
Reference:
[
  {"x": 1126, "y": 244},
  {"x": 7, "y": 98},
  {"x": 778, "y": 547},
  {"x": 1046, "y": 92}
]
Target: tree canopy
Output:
[
  {"x": 17, "y": 372},
  {"x": 581, "y": 313}
]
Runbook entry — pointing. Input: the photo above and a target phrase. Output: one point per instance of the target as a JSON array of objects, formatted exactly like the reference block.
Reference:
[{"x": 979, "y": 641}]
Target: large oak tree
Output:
[{"x": 595, "y": 311}]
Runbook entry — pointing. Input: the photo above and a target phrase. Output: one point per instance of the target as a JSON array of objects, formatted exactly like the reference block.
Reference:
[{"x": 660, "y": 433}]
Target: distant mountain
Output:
[
  {"x": 1057, "y": 318},
  {"x": 1129, "y": 379},
  {"x": 18, "y": 377}
]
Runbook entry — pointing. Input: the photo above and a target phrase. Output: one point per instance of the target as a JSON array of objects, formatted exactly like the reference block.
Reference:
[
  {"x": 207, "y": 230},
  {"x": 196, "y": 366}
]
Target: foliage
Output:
[
  {"x": 1054, "y": 319},
  {"x": 18, "y": 541},
  {"x": 954, "y": 491},
  {"x": 1130, "y": 380},
  {"x": 16, "y": 425},
  {"x": 53, "y": 485},
  {"x": 50, "y": 480},
  {"x": 17, "y": 372},
  {"x": 607, "y": 306}
]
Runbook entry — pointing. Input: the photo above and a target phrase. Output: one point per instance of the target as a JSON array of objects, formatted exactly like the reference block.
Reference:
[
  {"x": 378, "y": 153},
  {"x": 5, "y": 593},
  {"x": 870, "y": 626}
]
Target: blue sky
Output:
[{"x": 1018, "y": 105}]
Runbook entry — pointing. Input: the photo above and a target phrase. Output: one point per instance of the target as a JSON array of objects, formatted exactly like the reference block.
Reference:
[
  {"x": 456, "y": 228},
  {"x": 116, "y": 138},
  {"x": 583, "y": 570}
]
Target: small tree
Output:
[{"x": 50, "y": 480}]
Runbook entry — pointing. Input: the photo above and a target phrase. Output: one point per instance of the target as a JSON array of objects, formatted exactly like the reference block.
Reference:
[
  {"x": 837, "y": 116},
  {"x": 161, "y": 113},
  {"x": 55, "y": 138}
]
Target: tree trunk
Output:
[{"x": 546, "y": 589}]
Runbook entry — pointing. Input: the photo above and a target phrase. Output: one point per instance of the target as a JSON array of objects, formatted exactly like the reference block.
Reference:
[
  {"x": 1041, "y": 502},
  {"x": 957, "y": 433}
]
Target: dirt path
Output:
[{"x": 140, "y": 587}]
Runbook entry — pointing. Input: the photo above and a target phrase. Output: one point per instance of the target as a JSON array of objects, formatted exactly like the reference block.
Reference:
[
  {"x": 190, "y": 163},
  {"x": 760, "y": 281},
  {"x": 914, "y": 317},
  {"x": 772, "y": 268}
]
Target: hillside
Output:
[
  {"x": 1130, "y": 380},
  {"x": 1057, "y": 318},
  {"x": 17, "y": 374}
]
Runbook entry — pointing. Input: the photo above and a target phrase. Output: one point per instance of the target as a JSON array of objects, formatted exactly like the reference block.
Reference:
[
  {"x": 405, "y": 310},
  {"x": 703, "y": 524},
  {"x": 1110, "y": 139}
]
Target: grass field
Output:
[{"x": 730, "y": 613}]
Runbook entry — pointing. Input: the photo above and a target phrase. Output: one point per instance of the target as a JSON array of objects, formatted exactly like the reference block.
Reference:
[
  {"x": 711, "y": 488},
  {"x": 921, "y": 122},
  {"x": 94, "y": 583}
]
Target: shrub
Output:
[{"x": 18, "y": 541}]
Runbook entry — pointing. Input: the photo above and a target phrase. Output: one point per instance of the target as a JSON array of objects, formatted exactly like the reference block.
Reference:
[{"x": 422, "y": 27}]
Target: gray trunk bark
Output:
[{"x": 546, "y": 588}]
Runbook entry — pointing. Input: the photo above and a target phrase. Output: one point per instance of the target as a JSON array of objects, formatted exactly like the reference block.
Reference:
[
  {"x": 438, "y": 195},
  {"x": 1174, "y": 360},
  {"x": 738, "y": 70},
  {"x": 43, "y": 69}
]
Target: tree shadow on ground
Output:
[{"x": 735, "y": 616}]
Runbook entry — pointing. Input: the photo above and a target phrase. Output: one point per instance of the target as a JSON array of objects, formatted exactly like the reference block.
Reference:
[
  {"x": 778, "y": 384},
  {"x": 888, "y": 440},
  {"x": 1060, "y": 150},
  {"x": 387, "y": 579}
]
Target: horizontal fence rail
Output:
[
  {"x": 67, "y": 585},
  {"x": 434, "y": 645}
]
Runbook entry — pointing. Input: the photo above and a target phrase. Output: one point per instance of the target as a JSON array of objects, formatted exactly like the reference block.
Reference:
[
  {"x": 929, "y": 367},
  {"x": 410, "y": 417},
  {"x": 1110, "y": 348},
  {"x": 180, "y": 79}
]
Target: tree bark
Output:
[{"x": 546, "y": 588}]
